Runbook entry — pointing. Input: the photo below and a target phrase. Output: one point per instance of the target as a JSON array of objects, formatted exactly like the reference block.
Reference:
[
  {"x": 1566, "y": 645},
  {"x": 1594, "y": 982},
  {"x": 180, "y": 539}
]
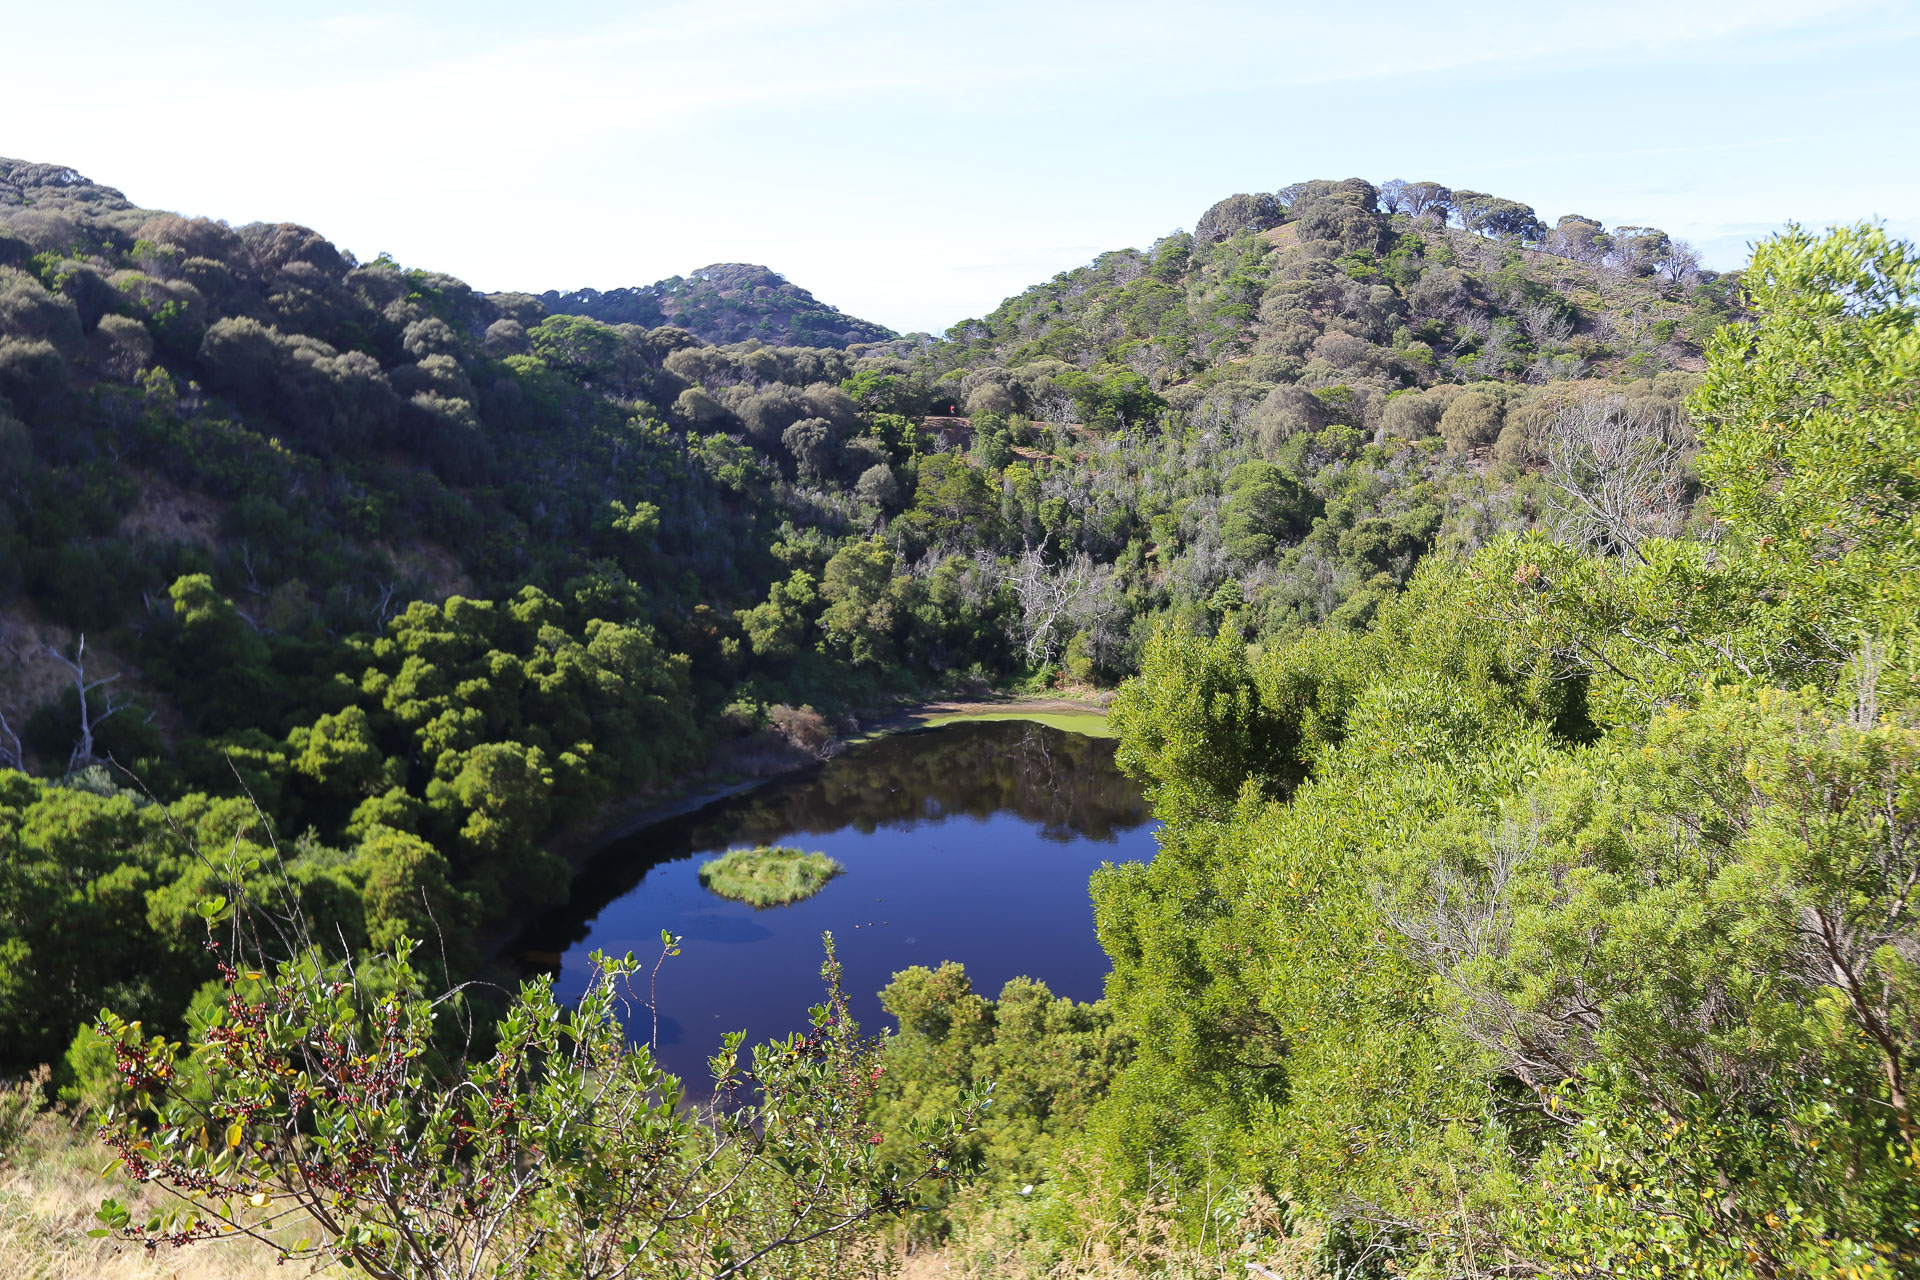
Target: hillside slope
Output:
[
  {"x": 436, "y": 575},
  {"x": 1522, "y": 905},
  {"x": 722, "y": 303},
  {"x": 1344, "y": 284}
]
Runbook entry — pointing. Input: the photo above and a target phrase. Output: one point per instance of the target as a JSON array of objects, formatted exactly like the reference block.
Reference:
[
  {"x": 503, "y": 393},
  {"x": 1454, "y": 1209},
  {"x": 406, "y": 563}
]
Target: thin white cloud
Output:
[{"x": 918, "y": 164}]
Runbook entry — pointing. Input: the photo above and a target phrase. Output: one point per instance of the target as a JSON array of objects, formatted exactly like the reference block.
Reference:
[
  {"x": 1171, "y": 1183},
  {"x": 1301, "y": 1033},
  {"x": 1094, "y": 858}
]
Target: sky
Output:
[{"x": 915, "y": 164}]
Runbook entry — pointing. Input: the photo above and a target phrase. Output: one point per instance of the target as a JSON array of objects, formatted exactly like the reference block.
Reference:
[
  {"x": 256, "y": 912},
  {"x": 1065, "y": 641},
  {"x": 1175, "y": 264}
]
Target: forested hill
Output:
[
  {"x": 1518, "y": 636},
  {"x": 435, "y": 573},
  {"x": 725, "y": 302},
  {"x": 1342, "y": 284},
  {"x": 52, "y": 186}
]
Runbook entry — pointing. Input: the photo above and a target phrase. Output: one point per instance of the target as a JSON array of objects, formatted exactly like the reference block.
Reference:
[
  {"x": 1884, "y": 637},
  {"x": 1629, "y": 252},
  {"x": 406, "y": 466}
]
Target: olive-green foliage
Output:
[
  {"x": 458, "y": 740},
  {"x": 1265, "y": 507},
  {"x": 218, "y": 668},
  {"x": 1509, "y": 932},
  {"x": 480, "y": 724},
  {"x": 558, "y": 1148},
  {"x": 1363, "y": 992},
  {"x": 1497, "y": 216},
  {"x": 1411, "y": 415},
  {"x": 864, "y": 599},
  {"x": 769, "y": 876},
  {"x": 779, "y": 626},
  {"x": 1473, "y": 420},
  {"x": 1239, "y": 213},
  {"x": 98, "y": 891},
  {"x": 725, "y": 302},
  {"x": 1329, "y": 283},
  {"x": 379, "y": 435},
  {"x": 1809, "y": 449},
  {"x": 953, "y": 506},
  {"x": 1047, "y": 1059},
  {"x": 78, "y": 866},
  {"x": 1809, "y": 436},
  {"x": 334, "y": 400},
  {"x": 433, "y": 574},
  {"x": 1730, "y": 897}
]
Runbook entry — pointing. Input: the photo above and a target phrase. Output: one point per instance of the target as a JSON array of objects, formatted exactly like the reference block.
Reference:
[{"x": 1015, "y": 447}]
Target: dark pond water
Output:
[{"x": 971, "y": 842}]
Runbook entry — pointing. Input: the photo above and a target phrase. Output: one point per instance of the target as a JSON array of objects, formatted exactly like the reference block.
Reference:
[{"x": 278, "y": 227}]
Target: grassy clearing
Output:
[
  {"x": 1085, "y": 1225},
  {"x": 1090, "y": 724},
  {"x": 50, "y": 1185},
  {"x": 768, "y": 876}
]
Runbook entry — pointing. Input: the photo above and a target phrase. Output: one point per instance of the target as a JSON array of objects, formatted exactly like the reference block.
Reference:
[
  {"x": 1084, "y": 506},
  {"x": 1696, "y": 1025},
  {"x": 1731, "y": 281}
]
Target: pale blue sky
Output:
[{"x": 914, "y": 164}]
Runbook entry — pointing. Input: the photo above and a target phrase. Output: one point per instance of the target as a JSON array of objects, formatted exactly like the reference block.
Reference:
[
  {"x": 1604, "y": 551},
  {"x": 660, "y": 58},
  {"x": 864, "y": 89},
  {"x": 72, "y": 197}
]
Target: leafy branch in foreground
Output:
[{"x": 322, "y": 1097}]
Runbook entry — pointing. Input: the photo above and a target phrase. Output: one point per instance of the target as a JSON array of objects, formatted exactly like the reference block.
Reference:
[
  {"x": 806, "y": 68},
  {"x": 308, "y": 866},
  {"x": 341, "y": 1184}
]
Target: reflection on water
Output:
[{"x": 971, "y": 842}]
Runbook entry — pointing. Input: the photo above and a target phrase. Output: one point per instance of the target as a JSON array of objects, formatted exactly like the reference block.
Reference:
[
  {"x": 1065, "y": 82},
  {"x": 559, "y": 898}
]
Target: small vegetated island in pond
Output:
[{"x": 768, "y": 876}]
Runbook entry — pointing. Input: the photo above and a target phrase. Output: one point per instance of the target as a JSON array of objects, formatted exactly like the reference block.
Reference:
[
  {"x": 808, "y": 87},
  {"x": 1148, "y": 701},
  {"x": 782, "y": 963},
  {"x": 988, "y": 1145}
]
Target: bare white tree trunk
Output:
[
  {"x": 11, "y": 755},
  {"x": 10, "y": 752},
  {"x": 1544, "y": 323},
  {"x": 1057, "y": 407},
  {"x": 83, "y": 749}
]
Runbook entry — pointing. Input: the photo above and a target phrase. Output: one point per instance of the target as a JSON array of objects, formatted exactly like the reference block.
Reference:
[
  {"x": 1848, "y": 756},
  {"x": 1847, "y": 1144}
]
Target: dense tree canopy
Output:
[
  {"x": 1528, "y": 937},
  {"x": 1517, "y": 629}
]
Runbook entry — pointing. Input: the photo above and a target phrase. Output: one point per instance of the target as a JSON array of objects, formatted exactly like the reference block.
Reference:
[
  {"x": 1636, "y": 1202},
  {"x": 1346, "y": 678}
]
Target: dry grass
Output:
[
  {"x": 167, "y": 513},
  {"x": 1099, "y": 1231},
  {"x": 50, "y": 1186},
  {"x": 433, "y": 567}
]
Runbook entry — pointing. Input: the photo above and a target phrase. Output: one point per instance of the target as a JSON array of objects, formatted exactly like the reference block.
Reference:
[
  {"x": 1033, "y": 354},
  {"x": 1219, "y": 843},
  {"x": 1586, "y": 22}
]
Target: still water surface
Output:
[{"x": 971, "y": 842}]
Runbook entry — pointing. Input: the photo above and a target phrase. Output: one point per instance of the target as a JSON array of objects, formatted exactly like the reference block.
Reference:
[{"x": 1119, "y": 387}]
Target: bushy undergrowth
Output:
[
  {"x": 50, "y": 1193},
  {"x": 433, "y": 576},
  {"x": 1526, "y": 683},
  {"x": 1558, "y": 923}
]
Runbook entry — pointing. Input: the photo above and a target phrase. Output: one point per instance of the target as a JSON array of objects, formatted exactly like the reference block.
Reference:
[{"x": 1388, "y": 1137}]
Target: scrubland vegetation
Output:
[
  {"x": 431, "y": 576},
  {"x": 1514, "y": 629},
  {"x": 1559, "y": 922}
]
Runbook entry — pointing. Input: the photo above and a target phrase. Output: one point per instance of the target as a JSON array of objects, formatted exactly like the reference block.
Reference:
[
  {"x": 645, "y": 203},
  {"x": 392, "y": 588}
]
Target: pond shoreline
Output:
[
  {"x": 618, "y": 819},
  {"x": 578, "y": 844},
  {"x": 929, "y": 825}
]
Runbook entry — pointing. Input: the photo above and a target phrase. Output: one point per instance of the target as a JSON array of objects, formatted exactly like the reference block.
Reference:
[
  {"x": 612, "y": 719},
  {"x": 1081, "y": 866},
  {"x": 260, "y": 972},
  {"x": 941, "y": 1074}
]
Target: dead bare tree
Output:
[
  {"x": 1475, "y": 322},
  {"x": 1678, "y": 263},
  {"x": 1545, "y": 323},
  {"x": 1465, "y": 917},
  {"x": 11, "y": 756},
  {"x": 1866, "y": 667},
  {"x": 89, "y": 721},
  {"x": 382, "y": 611},
  {"x": 1056, "y": 406},
  {"x": 253, "y": 573},
  {"x": 1498, "y": 343},
  {"x": 1147, "y": 359},
  {"x": 1615, "y": 471},
  {"x": 1048, "y": 596}
]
